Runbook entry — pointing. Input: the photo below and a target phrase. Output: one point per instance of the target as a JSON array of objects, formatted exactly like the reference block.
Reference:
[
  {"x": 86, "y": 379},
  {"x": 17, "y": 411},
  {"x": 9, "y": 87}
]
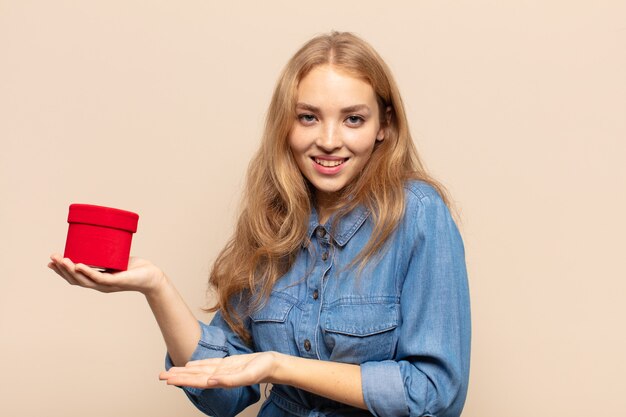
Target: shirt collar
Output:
[{"x": 344, "y": 229}]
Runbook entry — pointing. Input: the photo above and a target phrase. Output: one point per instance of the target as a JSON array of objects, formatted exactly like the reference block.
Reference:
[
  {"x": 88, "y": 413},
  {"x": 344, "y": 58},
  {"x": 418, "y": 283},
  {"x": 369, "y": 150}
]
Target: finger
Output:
[
  {"x": 107, "y": 282},
  {"x": 61, "y": 270},
  {"x": 56, "y": 257},
  {"x": 68, "y": 278},
  {"x": 57, "y": 260},
  {"x": 76, "y": 276},
  {"x": 55, "y": 263},
  {"x": 92, "y": 274},
  {"x": 74, "y": 273},
  {"x": 53, "y": 266},
  {"x": 163, "y": 375},
  {"x": 207, "y": 370},
  {"x": 68, "y": 265},
  {"x": 184, "y": 380},
  {"x": 79, "y": 277}
]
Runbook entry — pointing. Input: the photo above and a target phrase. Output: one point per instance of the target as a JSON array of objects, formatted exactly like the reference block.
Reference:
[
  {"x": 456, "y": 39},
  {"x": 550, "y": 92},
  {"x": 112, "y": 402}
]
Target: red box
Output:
[{"x": 100, "y": 236}]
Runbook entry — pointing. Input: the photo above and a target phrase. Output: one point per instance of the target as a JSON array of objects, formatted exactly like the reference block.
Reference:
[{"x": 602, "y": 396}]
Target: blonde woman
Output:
[{"x": 344, "y": 284}]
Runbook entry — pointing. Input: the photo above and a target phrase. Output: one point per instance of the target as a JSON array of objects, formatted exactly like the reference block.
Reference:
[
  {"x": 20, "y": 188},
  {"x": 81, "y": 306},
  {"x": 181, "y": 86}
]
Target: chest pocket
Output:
[
  {"x": 357, "y": 333},
  {"x": 269, "y": 325}
]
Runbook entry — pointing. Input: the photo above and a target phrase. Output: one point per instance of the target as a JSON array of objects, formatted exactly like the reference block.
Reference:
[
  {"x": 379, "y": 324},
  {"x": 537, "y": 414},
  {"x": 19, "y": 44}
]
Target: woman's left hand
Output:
[
  {"x": 229, "y": 372},
  {"x": 334, "y": 380}
]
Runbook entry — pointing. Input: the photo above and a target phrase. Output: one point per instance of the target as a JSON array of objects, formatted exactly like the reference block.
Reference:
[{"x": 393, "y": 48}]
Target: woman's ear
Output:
[{"x": 380, "y": 136}]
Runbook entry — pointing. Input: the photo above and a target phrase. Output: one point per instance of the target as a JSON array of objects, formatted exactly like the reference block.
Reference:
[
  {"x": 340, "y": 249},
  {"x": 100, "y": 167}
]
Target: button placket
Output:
[
  {"x": 325, "y": 244},
  {"x": 309, "y": 328},
  {"x": 309, "y": 317},
  {"x": 320, "y": 295}
]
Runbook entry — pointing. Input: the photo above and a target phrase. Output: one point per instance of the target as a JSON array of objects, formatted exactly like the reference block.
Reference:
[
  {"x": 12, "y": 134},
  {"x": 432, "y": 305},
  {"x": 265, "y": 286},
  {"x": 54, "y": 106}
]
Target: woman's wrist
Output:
[
  {"x": 280, "y": 370},
  {"x": 160, "y": 285},
  {"x": 337, "y": 381}
]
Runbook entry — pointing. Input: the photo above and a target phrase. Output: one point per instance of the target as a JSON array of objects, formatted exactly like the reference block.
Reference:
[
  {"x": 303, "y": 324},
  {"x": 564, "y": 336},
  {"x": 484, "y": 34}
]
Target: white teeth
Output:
[{"x": 329, "y": 164}]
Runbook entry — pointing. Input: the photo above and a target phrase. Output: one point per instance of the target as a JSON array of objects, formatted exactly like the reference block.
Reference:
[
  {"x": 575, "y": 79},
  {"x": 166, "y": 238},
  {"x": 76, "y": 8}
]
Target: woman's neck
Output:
[{"x": 325, "y": 205}]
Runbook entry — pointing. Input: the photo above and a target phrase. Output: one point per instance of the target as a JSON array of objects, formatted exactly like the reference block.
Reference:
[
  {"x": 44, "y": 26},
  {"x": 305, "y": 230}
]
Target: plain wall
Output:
[{"x": 518, "y": 107}]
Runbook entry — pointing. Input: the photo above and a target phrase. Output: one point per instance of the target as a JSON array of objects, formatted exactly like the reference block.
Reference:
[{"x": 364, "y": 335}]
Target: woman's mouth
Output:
[
  {"x": 329, "y": 163},
  {"x": 329, "y": 166}
]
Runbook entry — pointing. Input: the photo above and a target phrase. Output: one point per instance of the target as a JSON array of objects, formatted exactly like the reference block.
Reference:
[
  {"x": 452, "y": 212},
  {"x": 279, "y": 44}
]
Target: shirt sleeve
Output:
[
  {"x": 430, "y": 373},
  {"x": 217, "y": 341}
]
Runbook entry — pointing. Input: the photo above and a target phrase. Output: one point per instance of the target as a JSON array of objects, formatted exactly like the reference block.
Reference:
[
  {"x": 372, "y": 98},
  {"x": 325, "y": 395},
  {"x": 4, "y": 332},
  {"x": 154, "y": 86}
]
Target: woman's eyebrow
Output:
[
  {"x": 356, "y": 108},
  {"x": 309, "y": 107},
  {"x": 349, "y": 109}
]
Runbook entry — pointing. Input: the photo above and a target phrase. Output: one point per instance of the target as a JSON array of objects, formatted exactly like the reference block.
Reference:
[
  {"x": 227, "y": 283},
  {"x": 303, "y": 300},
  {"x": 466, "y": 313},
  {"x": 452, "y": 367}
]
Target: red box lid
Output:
[{"x": 103, "y": 216}]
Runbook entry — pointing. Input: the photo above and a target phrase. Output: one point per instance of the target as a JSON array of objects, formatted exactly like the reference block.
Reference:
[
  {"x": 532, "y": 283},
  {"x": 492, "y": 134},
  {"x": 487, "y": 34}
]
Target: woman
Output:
[{"x": 344, "y": 285}]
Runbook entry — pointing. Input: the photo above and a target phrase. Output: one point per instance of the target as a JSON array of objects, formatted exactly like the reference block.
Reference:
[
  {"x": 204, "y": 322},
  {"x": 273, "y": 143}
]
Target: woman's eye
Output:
[
  {"x": 355, "y": 120},
  {"x": 306, "y": 118}
]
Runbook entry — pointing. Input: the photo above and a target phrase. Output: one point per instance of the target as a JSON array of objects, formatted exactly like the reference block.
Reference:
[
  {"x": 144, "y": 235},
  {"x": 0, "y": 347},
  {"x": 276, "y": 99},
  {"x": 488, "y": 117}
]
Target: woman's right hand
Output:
[{"x": 141, "y": 276}]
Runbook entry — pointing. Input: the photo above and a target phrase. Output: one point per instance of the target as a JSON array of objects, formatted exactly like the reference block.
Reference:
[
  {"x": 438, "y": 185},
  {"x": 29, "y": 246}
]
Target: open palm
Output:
[
  {"x": 141, "y": 275},
  {"x": 228, "y": 372}
]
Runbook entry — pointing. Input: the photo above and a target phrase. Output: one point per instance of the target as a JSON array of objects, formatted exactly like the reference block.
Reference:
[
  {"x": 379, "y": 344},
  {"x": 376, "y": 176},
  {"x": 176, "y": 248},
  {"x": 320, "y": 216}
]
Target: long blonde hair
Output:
[{"x": 277, "y": 202}]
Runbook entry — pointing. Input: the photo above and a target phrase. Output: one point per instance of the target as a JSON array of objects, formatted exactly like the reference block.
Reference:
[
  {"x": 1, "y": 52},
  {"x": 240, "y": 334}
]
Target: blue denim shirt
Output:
[{"x": 405, "y": 318}]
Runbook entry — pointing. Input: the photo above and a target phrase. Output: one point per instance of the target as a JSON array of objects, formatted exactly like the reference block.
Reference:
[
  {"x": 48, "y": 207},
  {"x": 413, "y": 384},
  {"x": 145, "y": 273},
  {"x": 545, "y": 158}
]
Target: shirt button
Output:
[
  {"x": 307, "y": 344},
  {"x": 324, "y": 256},
  {"x": 320, "y": 232},
  {"x": 316, "y": 295}
]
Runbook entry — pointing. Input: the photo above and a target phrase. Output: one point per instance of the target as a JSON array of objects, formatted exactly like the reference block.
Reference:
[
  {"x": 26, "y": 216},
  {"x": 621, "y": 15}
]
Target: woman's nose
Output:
[{"x": 329, "y": 138}]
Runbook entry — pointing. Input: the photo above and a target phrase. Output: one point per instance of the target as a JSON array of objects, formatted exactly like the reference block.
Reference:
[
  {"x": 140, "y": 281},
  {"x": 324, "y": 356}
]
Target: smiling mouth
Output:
[{"x": 329, "y": 163}]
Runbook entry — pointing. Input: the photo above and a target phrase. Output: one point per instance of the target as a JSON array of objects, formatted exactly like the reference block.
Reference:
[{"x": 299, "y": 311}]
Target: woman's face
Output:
[{"x": 337, "y": 125}]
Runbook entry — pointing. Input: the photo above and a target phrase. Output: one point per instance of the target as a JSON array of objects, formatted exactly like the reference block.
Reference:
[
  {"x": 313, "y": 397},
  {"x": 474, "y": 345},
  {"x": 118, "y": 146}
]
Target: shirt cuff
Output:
[
  {"x": 383, "y": 388},
  {"x": 212, "y": 344}
]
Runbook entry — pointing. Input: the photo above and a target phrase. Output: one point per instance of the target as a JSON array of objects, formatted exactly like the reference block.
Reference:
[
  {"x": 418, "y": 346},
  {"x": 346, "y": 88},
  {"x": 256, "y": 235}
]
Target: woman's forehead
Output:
[{"x": 329, "y": 85}]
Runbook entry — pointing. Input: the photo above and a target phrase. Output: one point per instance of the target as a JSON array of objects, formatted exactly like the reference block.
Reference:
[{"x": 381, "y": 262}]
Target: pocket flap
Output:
[
  {"x": 362, "y": 319},
  {"x": 275, "y": 309}
]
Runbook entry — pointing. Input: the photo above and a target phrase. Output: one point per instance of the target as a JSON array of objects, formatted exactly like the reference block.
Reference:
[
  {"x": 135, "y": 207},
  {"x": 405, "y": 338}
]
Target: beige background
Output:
[{"x": 519, "y": 107}]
